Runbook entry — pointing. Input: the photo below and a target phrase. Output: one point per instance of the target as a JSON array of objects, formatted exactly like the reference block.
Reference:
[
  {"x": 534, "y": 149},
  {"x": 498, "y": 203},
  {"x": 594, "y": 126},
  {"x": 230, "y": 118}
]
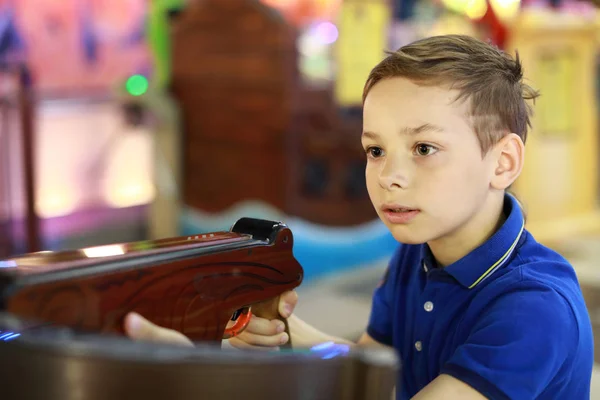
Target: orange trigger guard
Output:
[{"x": 240, "y": 324}]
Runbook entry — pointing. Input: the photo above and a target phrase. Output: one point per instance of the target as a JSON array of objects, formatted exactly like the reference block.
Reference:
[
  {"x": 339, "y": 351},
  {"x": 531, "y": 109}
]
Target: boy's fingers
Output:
[
  {"x": 287, "y": 303},
  {"x": 139, "y": 328},
  {"x": 240, "y": 344},
  {"x": 262, "y": 326},
  {"x": 263, "y": 341}
]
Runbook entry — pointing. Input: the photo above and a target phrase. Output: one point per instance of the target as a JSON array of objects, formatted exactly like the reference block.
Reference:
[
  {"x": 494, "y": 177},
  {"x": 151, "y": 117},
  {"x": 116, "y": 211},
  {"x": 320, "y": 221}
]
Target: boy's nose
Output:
[
  {"x": 389, "y": 183},
  {"x": 394, "y": 176}
]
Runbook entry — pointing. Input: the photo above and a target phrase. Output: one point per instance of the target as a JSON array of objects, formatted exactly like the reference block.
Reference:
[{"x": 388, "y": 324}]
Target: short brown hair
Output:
[{"x": 483, "y": 74}]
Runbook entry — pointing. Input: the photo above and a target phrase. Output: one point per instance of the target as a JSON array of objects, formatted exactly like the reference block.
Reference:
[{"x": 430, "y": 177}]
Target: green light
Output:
[
  {"x": 144, "y": 245},
  {"x": 137, "y": 85}
]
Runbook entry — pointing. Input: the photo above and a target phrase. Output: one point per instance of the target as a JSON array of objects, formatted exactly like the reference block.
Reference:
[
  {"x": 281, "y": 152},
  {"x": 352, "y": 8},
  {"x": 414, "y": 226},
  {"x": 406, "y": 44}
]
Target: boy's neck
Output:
[{"x": 451, "y": 248}]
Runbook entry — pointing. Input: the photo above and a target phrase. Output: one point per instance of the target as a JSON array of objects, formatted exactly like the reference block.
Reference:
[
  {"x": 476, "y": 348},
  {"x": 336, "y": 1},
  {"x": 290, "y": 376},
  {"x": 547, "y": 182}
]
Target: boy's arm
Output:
[
  {"x": 446, "y": 387},
  {"x": 305, "y": 335}
]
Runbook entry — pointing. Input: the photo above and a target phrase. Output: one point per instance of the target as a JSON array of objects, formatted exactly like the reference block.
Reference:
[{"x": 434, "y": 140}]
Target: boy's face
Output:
[{"x": 426, "y": 175}]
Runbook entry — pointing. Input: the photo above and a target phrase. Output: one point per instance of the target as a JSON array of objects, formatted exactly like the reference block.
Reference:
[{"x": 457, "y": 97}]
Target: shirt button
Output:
[
  {"x": 419, "y": 346},
  {"x": 428, "y": 306}
]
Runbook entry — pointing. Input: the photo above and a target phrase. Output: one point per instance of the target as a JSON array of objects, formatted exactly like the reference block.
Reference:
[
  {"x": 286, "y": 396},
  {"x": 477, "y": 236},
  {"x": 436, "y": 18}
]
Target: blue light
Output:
[
  {"x": 8, "y": 264},
  {"x": 322, "y": 346},
  {"x": 329, "y": 350},
  {"x": 11, "y": 337},
  {"x": 330, "y": 355},
  {"x": 6, "y": 335}
]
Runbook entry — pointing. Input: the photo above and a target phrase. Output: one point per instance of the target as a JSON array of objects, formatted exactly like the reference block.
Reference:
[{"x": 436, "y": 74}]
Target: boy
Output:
[{"x": 475, "y": 307}]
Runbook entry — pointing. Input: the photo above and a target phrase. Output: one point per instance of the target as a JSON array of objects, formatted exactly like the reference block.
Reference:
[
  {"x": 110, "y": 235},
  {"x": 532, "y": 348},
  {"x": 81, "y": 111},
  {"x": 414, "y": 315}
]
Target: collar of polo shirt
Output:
[{"x": 496, "y": 252}]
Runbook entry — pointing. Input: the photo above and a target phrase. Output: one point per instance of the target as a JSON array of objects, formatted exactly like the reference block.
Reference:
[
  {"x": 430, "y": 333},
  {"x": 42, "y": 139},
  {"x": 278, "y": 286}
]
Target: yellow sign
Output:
[
  {"x": 556, "y": 80},
  {"x": 363, "y": 29}
]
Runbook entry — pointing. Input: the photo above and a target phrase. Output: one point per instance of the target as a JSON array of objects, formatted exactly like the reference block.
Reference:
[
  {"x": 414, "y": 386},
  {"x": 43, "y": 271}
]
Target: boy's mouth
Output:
[
  {"x": 399, "y": 214},
  {"x": 397, "y": 208}
]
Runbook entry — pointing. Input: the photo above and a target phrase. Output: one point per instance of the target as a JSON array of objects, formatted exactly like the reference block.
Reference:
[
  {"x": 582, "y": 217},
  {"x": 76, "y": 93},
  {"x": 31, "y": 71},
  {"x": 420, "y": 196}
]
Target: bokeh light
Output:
[{"x": 136, "y": 85}]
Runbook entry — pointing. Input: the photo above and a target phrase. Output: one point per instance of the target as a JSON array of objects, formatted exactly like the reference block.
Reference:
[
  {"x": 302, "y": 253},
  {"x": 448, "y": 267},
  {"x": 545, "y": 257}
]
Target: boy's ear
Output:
[{"x": 509, "y": 156}]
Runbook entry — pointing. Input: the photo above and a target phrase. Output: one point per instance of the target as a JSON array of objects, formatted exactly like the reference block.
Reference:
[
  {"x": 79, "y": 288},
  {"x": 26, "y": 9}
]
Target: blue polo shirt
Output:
[{"x": 508, "y": 319}]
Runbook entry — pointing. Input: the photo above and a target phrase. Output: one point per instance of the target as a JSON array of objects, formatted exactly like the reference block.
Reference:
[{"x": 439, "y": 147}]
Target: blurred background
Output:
[{"x": 127, "y": 120}]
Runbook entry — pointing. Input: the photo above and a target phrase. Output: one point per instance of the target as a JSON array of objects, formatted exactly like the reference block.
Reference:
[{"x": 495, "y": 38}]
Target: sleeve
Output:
[
  {"x": 380, "y": 320},
  {"x": 517, "y": 345}
]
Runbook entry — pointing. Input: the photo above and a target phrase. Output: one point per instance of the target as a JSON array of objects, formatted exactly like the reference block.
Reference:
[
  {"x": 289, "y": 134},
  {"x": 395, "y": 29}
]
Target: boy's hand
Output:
[
  {"x": 259, "y": 334},
  {"x": 139, "y": 328},
  {"x": 264, "y": 334}
]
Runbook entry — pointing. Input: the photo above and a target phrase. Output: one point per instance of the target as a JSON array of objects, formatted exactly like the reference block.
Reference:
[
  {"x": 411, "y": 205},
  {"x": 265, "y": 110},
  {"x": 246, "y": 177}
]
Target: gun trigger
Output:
[{"x": 236, "y": 314}]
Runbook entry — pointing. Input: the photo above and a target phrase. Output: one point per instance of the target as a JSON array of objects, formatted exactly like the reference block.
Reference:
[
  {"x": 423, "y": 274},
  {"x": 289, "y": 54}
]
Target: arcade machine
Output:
[
  {"x": 76, "y": 114},
  {"x": 61, "y": 316}
]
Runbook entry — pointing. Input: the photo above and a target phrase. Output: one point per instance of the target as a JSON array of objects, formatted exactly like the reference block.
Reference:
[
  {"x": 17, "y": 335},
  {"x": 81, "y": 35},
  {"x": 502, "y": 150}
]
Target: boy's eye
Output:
[
  {"x": 425, "y": 149},
  {"x": 375, "y": 152}
]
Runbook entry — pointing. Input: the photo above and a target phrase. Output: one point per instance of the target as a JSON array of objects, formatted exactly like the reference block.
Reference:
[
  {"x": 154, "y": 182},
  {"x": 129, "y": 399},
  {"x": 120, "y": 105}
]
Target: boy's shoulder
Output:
[
  {"x": 538, "y": 281},
  {"x": 537, "y": 263}
]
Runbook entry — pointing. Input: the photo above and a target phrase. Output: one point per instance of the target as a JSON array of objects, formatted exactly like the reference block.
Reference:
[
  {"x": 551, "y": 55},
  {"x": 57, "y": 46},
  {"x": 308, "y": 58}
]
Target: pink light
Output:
[{"x": 327, "y": 32}]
